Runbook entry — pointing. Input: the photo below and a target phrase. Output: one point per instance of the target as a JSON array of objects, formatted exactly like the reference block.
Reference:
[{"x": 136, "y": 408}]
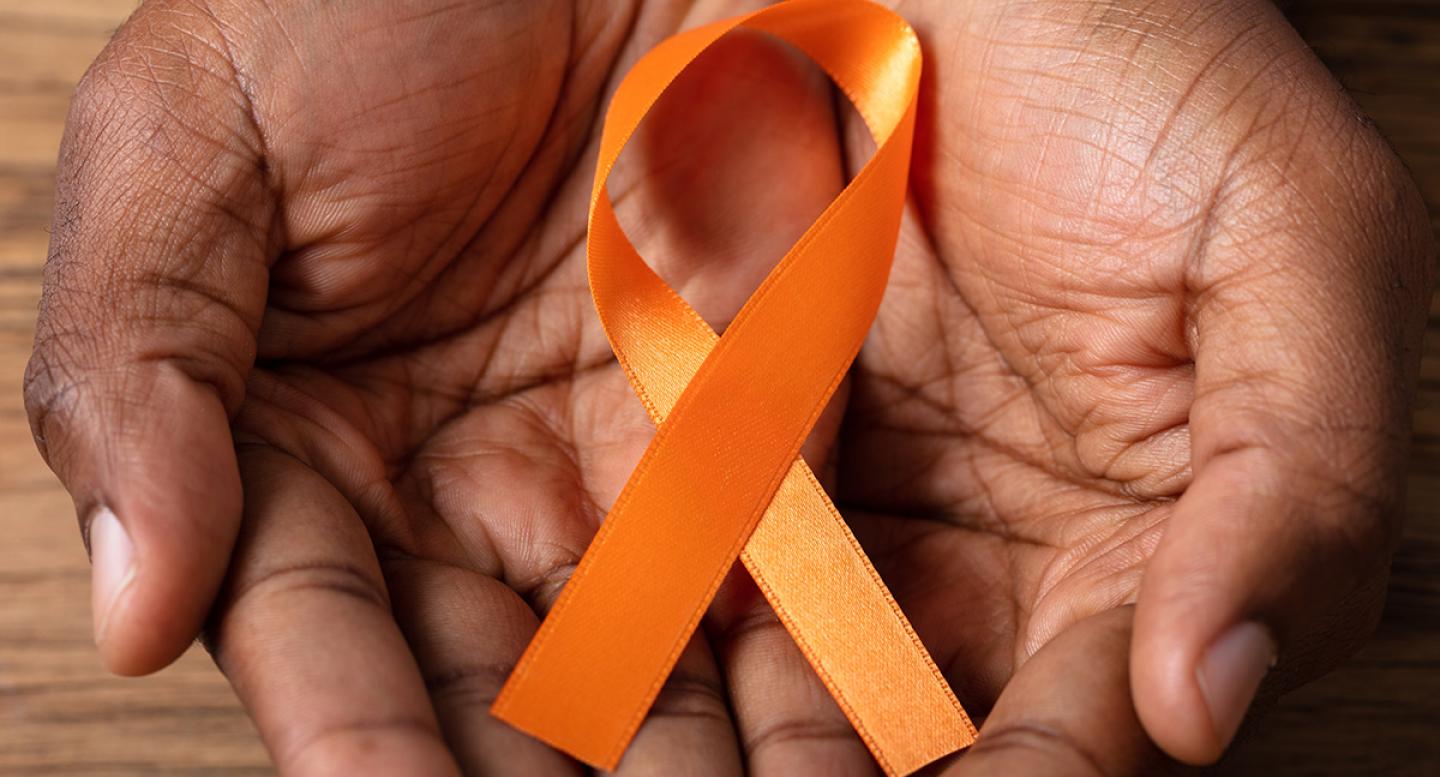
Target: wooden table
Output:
[{"x": 61, "y": 715}]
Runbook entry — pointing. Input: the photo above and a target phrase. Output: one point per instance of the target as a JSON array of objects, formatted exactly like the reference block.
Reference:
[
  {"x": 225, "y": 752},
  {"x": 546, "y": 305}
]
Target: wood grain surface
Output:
[{"x": 61, "y": 715}]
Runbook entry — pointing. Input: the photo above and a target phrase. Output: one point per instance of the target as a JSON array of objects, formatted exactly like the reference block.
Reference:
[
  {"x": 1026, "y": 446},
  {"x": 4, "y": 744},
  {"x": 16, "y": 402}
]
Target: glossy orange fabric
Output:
[{"x": 722, "y": 478}]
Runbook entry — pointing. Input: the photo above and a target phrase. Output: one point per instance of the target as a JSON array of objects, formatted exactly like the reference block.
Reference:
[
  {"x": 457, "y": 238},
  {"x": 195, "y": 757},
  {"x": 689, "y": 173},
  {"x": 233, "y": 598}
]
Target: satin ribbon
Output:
[{"x": 722, "y": 477}]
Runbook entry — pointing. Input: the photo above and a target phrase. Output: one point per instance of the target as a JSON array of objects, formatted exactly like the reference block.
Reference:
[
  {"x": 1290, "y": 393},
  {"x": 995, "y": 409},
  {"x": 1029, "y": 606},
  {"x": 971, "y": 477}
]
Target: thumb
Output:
[
  {"x": 1306, "y": 327},
  {"x": 153, "y": 294}
]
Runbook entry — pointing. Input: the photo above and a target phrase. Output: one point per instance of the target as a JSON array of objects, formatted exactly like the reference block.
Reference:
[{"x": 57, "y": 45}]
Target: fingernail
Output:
[
  {"x": 112, "y": 558},
  {"x": 1230, "y": 673}
]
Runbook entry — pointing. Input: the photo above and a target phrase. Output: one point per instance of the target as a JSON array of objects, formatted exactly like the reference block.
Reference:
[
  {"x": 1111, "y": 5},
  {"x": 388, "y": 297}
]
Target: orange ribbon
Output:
[{"x": 722, "y": 477}]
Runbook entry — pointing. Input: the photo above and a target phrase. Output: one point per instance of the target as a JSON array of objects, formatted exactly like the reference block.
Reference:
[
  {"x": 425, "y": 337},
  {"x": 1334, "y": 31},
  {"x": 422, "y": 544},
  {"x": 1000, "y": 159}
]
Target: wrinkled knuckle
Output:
[
  {"x": 328, "y": 580},
  {"x": 97, "y": 96},
  {"x": 761, "y": 624},
  {"x": 74, "y": 383},
  {"x": 164, "y": 90},
  {"x": 50, "y": 387},
  {"x": 126, "y": 80},
  {"x": 793, "y": 730},
  {"x": 690, "y": 695},
  {"x": 468, "y": 686},
  {"x": 162, "y": 38},
  {"x": 1375, "y": 207},
  {"x": 1287, "y": 132},
  {"x": 1048, "y": 744},
  {"x": 249, "y": 590},
  {"x": 1311, "y": 167},
  {"x": 324, "y": 578},
  {"x": 345, "y": 746},
  {"x": 1400, "y": 222},
  {"x": 545, "y": 590}
]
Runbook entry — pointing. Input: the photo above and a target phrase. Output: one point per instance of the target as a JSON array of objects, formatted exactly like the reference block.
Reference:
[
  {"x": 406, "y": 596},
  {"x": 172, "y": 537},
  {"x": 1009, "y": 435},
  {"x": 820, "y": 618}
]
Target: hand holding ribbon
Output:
[{"x": 732, "y": 413}]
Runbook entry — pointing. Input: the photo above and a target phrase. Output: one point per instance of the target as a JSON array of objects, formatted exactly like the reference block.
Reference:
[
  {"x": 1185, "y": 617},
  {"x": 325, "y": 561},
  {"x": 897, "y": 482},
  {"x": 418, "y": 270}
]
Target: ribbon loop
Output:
[{"x": 722, "y": 477}]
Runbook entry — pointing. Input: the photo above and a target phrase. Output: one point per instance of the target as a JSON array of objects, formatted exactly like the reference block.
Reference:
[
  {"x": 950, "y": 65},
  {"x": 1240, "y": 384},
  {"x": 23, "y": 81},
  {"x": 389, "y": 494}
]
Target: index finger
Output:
[{"x": 1068, "y": 710}]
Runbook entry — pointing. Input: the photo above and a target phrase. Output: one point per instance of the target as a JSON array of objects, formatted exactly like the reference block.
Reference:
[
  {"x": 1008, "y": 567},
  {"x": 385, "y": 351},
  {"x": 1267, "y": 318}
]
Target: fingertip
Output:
[
  {"x": 1194, "y": 686},
  {"x": 127, "y": 651},
  {"x": 1168, "y": 700},
  {"x": 147, "y": 628},
  {"x": 142, "y": 622},
  {"x": 1067, "y": 710},
  {"x": 154, "y": 616},
  {"x": 112, "y": 578},
  {"x": 1229, "y": 674},
  {"x": 1211, "y": 575},
  {"x": 1196, "y": 718},
  {"x": 161, "y": 540},
  {"x": 112, "y": 559},
  {"x": 1170, "y": 631}
]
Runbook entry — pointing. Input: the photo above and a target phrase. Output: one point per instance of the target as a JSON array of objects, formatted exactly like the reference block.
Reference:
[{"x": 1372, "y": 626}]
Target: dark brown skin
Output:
[{"x": 316, "y": 330}]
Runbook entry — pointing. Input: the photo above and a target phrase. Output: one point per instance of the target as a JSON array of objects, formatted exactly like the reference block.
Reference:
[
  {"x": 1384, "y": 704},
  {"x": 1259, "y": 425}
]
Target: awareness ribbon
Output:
[{"x": 722, "y": 477}]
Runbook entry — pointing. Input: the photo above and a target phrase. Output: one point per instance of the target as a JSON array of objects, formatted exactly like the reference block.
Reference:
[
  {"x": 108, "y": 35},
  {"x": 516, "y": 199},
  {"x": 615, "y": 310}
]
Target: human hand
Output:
[
  {"x": 385, "y": 204},
  {"x": 331, "y": 257},
  {"x": 1151, "y": 341}
]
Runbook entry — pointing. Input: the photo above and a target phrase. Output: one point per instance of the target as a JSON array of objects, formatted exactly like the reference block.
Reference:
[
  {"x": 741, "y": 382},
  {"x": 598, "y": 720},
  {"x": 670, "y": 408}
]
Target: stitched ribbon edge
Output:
[{"x": 600, "y": 207}]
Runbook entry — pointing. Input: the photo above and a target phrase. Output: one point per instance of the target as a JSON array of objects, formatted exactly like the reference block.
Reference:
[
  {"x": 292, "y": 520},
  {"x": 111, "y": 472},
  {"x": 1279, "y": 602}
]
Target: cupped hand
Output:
[{"x": 317, "y": 360}]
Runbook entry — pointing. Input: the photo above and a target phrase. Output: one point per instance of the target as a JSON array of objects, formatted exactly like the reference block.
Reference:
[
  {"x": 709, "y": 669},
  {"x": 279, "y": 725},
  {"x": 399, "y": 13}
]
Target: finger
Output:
[
  {"x": 306, "y": 636},
  {"x": 688, "y": 730},
  {"x": 153, "y": 291},
  {"x": 787, "y": 721},
  {"x": 1067, "y": 710},
  {"x": 518, "y": 524},
  {"x": 1309, "y": 302},
  {"x": 467, "y": 630}
]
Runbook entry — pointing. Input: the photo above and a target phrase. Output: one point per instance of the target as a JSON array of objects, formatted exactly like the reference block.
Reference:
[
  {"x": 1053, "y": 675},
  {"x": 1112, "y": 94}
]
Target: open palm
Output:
[{"x": 1148, "y": 321}]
